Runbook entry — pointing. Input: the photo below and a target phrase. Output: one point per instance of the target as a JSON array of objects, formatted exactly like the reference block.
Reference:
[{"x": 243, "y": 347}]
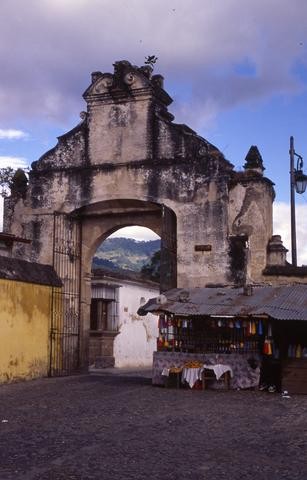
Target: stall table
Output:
[
  {"x": 245, "y": 367},
  {"x": 219, "y": 372}
]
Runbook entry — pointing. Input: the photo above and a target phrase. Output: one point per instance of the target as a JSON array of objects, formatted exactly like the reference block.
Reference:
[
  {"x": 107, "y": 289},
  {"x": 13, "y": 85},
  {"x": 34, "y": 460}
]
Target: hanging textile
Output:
[
  {"x": 270, "y": 330},
  {"x": 298, "y": 351},
  {"x": 260, "y": 328},
  {"x": 250, "y": 328},
  {"x": 253, "y": 327}
]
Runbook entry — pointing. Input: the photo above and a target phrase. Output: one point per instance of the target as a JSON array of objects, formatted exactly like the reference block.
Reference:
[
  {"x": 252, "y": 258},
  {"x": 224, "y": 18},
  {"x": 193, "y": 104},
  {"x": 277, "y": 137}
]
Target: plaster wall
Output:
[
  {"x": 137, "y": 338},
  {"x": 24, "y": 321}
]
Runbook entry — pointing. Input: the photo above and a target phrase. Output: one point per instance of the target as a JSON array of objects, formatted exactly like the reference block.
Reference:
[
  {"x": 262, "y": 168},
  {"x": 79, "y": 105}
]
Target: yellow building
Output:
[{"x": 25, "y": 312}]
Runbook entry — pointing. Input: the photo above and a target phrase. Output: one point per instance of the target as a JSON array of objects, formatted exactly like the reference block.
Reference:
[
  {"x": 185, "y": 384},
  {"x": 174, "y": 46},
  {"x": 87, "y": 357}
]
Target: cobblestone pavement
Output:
[{"x": 115, "y": 427}]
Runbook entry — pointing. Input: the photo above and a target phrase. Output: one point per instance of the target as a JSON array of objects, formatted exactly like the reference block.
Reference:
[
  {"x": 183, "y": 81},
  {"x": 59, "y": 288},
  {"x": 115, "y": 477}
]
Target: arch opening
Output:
[
  {"x": 120, "y": 283},
  {"x": 115, "y": 283},
  {"x": 129, "y": 249}
]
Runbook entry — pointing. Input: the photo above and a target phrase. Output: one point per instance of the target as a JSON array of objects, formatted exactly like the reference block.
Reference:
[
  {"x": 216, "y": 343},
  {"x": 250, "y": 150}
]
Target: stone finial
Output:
[
  {"x": 158, "y": 81},
  {"x": 95, "y": 76},
  {"x": 122, "y": 66},
  {"x": 277, "y": 253},
  {"x": 146, "y": 70},
  {"x": 253, "y": 160}
]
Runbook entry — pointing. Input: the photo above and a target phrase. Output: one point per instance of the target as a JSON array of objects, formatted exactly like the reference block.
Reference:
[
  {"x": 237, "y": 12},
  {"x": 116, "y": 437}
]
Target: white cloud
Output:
[
  {"x": 12, "y": 134},
  {"x": 14, "y": 162},
  {"x": 282, "y": 226},
  {"x": 138, "y": 233},
  {"x": 199, "y": 44}
]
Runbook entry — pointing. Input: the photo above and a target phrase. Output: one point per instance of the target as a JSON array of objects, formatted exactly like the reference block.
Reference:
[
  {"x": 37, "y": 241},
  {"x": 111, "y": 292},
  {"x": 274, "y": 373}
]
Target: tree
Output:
[
  {"x": 152, "y": 270},
  {"x": 6, "y": 178},
  {"x": 151, "y": 60},
  {"x": 13, "y": 181}
]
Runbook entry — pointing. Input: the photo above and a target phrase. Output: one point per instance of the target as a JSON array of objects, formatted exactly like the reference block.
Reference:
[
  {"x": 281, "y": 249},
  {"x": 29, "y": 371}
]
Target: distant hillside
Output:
[{"x": 125, "y": 253}]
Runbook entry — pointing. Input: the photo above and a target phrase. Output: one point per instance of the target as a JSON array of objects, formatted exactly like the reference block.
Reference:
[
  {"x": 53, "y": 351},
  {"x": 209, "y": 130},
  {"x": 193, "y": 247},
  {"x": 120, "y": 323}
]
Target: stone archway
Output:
[
  {"x": 128, "y": 147},
  {"x": 76, "y": 236},
  {"x": 127, "y": 161},
  {"x": 102, "y": 219}
]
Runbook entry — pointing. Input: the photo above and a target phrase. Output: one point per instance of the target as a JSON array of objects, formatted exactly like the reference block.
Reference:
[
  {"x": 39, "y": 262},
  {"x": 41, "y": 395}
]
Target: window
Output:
[{"x": 100, "y": 317}]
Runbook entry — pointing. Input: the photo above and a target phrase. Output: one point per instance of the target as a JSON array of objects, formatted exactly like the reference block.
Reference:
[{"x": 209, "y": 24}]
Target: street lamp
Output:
[{"x": 298, "y": 181}]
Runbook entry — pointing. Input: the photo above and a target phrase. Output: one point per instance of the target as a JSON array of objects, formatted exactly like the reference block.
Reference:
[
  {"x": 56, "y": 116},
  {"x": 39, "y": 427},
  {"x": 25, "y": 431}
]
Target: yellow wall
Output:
[{"x": 24, "y": 330}]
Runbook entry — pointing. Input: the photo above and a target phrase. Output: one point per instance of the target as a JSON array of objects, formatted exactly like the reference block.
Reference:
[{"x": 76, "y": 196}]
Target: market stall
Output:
[
  {"x": 259, "y": 335},
  {"x": 214, "y": 343}
]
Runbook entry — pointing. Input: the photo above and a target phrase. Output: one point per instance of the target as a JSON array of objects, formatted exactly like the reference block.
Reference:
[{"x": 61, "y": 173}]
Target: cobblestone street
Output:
[{"x": 115, "y": 427}]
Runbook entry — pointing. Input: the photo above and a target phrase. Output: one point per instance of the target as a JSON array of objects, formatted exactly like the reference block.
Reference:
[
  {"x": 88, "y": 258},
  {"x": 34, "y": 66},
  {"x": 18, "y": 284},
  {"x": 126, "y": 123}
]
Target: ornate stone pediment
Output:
[{"x": 127, "y": 79}]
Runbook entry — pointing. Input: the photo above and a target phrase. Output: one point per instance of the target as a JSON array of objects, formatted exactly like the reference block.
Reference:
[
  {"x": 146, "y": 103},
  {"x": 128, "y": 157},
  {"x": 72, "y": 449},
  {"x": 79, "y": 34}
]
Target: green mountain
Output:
[{"x": 125, "y": 253}]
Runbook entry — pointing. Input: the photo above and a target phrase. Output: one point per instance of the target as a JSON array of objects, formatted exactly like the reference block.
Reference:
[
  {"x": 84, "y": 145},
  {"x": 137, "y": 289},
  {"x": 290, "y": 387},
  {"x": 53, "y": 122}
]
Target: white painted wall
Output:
[{"x": 137, "y": 338}]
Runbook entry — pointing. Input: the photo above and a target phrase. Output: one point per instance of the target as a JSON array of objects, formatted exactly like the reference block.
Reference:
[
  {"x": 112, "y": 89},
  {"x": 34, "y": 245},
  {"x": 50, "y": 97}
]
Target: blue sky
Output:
[{"x": 236, "y": 69}]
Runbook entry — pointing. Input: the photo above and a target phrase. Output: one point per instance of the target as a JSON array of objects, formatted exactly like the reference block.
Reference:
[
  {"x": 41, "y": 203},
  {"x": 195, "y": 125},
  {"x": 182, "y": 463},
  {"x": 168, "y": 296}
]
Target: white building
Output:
[{"x": 118, "y": 336}]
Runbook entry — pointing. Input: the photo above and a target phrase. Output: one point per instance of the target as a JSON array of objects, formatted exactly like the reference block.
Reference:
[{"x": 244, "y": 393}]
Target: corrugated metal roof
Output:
[{"x": 281, "y": 303}]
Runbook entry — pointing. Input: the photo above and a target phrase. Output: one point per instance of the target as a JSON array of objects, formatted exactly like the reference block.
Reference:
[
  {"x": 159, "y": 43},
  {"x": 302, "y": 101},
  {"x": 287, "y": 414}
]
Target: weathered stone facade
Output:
[{"x": 128, "y": 163}]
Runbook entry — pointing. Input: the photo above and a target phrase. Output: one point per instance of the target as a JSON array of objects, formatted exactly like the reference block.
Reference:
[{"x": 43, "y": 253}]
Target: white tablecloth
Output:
[
  {"x": 219, "y": 369},
  {"x": 191, "y": 375}
]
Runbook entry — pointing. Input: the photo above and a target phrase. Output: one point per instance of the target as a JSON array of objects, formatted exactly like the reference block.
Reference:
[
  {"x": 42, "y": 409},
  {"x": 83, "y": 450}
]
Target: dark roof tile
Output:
[{"x": 30, "y": 272}]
